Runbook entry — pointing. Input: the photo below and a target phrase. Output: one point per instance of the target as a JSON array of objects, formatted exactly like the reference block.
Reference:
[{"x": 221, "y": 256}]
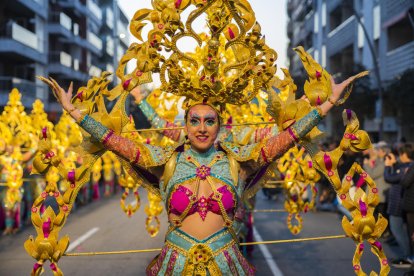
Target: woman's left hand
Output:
[{"x": 337, "y": 90}]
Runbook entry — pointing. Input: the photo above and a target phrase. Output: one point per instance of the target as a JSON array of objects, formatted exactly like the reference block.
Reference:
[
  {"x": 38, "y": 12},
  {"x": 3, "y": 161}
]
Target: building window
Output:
[
  {"x": 323, "y": 62},
  {"x": 323, "y": 14},
  {"x": 400, "y": 34},
  {"x": 377, "y": 22},
  {"x": 340, "y": 14},
  {"x": 316, "y": 56},
  {"x": 361, "y": 34},
  {"x": 316, "y": 23}
]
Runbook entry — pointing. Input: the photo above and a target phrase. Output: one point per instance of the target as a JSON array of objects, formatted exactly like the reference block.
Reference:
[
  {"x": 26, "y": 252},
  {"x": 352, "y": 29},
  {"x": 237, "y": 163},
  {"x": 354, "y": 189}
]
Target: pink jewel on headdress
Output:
[
  {"x": 126, "y": 84},
  {"x": 357, "y": 267},
  {"x": 318, "y": 100},
  {"x": 178, "y": 4},
  {"x": 231, "y": 33},
  {"x": 203, "y": 171}
]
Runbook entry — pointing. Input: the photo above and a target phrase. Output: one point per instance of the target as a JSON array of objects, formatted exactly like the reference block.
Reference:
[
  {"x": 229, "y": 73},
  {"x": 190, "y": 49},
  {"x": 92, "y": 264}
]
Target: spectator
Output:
[
  {"x": 408, "y": 201},
  {"x": 393, "y": 174},
  {"x": 374, "y": 166}
]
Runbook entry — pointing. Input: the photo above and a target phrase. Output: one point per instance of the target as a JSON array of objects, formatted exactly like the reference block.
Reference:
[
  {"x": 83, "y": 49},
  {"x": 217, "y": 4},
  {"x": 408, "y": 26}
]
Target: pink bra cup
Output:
[{"x": 180, "y": 199}]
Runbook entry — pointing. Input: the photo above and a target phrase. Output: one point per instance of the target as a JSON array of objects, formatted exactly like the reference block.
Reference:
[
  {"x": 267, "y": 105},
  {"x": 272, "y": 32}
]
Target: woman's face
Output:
[{"x": 202, "y": 127}]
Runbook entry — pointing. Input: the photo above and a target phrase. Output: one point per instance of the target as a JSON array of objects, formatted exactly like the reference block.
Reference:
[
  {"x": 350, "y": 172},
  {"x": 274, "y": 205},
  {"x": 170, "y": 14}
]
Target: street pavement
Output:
[{"x": 110, "y": 229}]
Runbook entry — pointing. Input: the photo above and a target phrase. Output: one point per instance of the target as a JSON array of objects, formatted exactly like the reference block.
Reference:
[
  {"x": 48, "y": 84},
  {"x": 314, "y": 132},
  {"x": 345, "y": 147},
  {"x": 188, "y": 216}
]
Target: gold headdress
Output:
[{"x": 213, "y": 80}]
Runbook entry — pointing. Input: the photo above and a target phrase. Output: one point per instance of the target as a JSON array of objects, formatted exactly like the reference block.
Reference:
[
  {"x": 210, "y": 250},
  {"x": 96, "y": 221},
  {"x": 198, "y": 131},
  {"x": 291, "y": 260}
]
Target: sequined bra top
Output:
[
  {"x": 182, "y": 197},
  {"x": 212, "y": 168}
]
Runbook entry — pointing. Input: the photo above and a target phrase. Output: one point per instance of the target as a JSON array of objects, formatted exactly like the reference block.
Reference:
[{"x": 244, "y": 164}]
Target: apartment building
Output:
[
  {"x": 65, "y": 39},
  {"x": 331, "y": 31}
]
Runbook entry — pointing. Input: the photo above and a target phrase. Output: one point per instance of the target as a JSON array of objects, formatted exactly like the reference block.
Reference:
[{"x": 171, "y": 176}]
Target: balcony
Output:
[
  {"x": 75, "y": 5},
  {"x": 109, "y": 46},
  {"x": 95, "y": 11},
  {"x": 391, "y": 8},
  {"x": 30, "y": 90},
  {"x": 62, "y": 63},
  {"x": 94, "y": 71},
  {"x": 109, "y": 18},
  {"x": 60, "y": 23},
  {"x": 20, "y": 41},
  {"x": 95, "y": 42},
  {"x": 397, "y": 61},
  {"x": 342, "y": 36}
]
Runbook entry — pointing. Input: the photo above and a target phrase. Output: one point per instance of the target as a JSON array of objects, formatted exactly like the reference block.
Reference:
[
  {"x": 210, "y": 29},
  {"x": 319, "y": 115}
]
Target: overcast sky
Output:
[{"x": 271, "y": 14}]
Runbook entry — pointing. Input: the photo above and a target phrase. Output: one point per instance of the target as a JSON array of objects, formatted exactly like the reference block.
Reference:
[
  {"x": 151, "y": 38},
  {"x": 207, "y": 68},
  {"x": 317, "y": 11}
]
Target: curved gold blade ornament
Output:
[
  {"x": 129, "y": 184},
  {"x": 153, "y": 210},
  {"x": 298, "y": 176}
]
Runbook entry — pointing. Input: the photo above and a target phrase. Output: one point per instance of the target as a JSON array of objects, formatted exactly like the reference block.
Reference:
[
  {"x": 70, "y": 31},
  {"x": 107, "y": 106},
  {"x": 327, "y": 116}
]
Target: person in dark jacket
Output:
[
  {"x": 408, "y": 203},
  {"x": 393, "y": 174}
]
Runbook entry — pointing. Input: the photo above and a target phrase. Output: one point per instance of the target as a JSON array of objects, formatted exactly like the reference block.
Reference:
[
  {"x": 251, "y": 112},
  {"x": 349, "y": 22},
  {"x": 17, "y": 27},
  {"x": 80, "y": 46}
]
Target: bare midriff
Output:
[{"x": 193, "y": 224}]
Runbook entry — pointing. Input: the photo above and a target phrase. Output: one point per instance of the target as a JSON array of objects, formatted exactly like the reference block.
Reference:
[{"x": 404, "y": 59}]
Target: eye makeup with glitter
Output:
[
  {"x": 194, "y": 122},
  {"x": 194, "y": 119},
  {"x": 210, "y": 121}
]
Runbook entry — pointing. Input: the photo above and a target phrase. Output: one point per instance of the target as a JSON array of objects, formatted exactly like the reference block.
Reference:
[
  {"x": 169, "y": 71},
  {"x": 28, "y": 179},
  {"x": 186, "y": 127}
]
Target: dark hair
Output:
[{"x": 408, "y": 149}]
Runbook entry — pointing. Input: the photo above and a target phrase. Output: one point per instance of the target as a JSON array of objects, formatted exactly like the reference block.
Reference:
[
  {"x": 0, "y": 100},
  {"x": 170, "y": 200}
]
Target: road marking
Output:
[
  {"x": 81, "y": 239},
  {"x": 268, "y": 257}
]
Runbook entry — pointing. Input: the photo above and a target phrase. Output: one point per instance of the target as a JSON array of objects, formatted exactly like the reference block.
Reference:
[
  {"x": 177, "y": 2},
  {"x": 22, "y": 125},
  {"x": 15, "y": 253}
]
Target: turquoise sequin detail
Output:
[
  {"x": 94, "y": 128},
  {"x": 151, "y": 115},
  {"x": 186, "y": 170},
  {"x": 158, "y": 154},
  {"x": 307, "y": 123}
]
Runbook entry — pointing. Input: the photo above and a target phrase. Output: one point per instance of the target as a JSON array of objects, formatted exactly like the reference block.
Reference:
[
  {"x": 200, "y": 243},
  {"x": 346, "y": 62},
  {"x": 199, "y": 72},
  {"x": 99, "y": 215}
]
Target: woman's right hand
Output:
[{"x": 63, "y": 97}]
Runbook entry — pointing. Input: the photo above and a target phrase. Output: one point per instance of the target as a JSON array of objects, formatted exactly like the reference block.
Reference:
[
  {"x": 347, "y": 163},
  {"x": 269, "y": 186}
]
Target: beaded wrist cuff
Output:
[
  {"x": 306, "y": 124},
  {"x": 94, "y": 128}
]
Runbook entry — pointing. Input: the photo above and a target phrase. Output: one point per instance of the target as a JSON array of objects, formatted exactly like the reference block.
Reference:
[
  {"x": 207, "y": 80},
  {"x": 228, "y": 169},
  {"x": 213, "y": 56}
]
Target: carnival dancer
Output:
[{"x": 199, "y": 180}]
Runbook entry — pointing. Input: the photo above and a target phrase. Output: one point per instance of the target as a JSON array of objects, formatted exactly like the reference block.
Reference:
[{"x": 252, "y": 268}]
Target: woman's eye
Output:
[
  {"x": 210, "y": 122},
  {"x": 194, "y": 122}
]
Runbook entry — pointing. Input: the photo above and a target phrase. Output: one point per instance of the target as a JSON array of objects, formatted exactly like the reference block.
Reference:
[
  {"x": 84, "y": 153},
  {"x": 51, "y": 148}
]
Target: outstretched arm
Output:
[
  {"x": 277, "y": 145},
  {"x": 155, "y": 120},
  {"x": 136, "y": 153}
]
